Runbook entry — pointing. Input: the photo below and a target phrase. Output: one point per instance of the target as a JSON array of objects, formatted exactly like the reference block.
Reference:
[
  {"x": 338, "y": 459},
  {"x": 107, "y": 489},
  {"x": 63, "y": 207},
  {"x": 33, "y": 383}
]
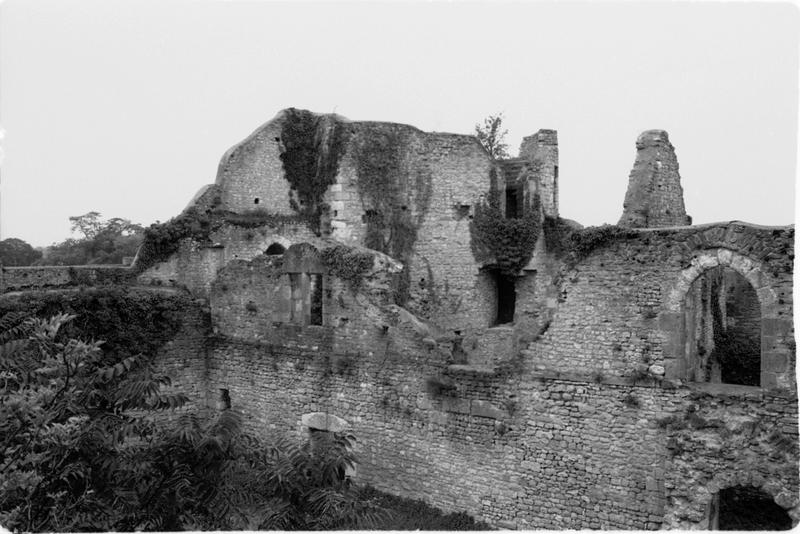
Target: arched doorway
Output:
[
  {"x": 746, "y": 508},
  {"x": 680, "y": 350},
  {"x": 723, "y": 329}
]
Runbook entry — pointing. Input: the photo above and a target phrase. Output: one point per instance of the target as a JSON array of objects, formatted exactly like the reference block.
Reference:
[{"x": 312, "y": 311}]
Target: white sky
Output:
[{"x": 126, "y": 107}]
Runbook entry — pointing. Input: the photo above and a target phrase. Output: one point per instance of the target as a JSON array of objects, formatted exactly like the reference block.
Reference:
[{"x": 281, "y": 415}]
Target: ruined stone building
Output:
[{"x": 488, "y": 355}]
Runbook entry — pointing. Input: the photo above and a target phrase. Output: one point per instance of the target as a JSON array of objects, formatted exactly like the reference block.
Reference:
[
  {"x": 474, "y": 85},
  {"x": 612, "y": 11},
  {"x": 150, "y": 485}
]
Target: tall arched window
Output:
[{"x": 723, "y": 327}]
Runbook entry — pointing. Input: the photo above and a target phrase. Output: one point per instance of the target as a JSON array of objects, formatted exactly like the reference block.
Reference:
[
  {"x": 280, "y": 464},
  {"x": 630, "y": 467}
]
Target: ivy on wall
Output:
[
  {"x": 507, "y": 243},
  {"x": 347, "y": 264},
  {"x": 396, "y": 196},
  {"x": 312, "y": 148}
]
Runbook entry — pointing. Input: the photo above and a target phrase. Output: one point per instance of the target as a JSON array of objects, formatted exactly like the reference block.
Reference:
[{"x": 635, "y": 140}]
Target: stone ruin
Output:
[{"x": 637, "y": 376}]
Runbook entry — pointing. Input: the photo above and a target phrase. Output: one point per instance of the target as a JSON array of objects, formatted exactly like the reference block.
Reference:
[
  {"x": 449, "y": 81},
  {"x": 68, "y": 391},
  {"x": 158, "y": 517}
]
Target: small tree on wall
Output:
[{"x": 492, "y": 136}]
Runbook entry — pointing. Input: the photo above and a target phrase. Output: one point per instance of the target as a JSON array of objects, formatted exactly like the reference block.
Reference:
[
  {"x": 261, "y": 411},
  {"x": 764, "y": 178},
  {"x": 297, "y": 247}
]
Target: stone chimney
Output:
[
  {"x": 655, "y": 196},
  {"x": 543, "y": 148}
]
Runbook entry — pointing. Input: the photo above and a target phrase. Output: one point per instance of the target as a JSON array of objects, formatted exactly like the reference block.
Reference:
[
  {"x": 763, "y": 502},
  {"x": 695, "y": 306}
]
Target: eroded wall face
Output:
[
  {"x": 395, "y": 189},
  {"x": 654, "y": 198},
  {"x": 253, "y": 170},
  {"x": 543, "y": 147}
]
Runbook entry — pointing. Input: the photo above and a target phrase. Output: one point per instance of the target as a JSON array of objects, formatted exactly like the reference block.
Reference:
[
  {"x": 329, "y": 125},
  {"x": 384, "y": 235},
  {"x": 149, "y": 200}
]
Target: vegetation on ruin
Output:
[
  {"x": 388, "y": 187},
  {"x": 507, "y": 243},
  {"x": 161, "y": 240},
  {"x": 81, "y": 449},
  {"x": 347, "y": 264},
  {"x": 492, "y": 136},
  {"x": 574, "y": 245},
  {"x": 311, "y": 155}
]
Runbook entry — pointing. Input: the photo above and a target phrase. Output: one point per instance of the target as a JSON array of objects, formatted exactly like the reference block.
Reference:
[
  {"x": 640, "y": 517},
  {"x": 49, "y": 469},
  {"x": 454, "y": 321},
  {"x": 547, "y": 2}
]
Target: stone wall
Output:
[
  {"x": 543, "y": 147},
  {"x": 250, "y": 174},
  {"x": 579, "y": 430},
  {"x": 622, "y": 306},
  {"x": 432, "y": 179},
  {"x": 31, "y": 278},
  {"x": 195, "y": 265}
]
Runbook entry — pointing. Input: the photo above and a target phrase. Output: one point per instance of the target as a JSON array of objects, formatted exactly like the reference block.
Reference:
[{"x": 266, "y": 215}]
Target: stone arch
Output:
[
  {"x": 783, "y": 496},
  {"x": 775, "y": 356}
]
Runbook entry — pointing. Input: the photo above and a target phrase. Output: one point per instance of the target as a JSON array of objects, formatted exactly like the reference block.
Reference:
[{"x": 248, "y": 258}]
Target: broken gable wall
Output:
[{"x": 418, "y": 181}]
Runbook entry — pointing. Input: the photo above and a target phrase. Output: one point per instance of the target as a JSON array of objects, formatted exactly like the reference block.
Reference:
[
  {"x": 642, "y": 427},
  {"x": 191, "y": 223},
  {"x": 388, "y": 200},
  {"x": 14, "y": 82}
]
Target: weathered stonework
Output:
[
  {"x": 655, "y": 196},
  {"x": 582, "y": 413}
]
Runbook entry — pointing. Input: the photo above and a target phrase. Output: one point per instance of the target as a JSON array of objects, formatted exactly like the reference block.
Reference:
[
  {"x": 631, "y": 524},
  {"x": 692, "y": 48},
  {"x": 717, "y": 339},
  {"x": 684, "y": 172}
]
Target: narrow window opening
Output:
[
  {"x": 224, "y": 402},
  {"x": 506, "y": 299},
  {"x": 256, "y": 200},
  {"x": 315, "y": 282},
  {"x": 512, "y": 203},
  {"x": 296, "y": 304}
]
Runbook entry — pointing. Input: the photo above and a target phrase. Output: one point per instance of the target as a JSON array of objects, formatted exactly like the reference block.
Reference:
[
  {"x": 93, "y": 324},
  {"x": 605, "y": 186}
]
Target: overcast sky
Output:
[{"x": 126, "y": 107}]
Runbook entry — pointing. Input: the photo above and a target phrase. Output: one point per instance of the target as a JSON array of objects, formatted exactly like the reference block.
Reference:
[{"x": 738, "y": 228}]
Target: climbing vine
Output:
[
  {"x": 312, "y": 148},
  {"x": 397, "y": 197},
  {"x": 509, "y": 243}
]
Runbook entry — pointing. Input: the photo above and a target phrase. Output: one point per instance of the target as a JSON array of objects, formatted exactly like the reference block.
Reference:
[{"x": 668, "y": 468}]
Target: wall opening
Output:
[
  {"x": 256, "y": 200},
  {"x": 506, "y": 298},
  {"x": 723, "y": 327},
  {"x": 512, "y": 203},
  {"x": 275, "y": 249},
  {"x": 315, "y": 304},
  {"x": 746, "y": 508},
  {"x": 224, "y": 401}
]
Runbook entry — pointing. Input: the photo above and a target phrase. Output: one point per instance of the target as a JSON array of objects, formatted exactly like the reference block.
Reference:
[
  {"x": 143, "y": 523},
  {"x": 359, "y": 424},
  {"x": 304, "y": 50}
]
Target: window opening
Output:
[
  {"x": 256, "y": 200},
  {"x": 224, "y": 402},
  {"x": 296, "y": 308},
  {"x": 512, "y": 203},
  {"x": 315, "y": 304},
  {"x": 506, "y": 298}
]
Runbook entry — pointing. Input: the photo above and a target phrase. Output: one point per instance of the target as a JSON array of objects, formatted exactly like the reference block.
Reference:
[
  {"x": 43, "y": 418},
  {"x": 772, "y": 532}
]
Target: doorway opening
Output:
[{"x": 746, "y": 508}]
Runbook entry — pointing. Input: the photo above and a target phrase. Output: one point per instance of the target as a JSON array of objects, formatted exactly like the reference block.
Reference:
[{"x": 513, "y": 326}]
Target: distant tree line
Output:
[{"x": 98, "y": 241}]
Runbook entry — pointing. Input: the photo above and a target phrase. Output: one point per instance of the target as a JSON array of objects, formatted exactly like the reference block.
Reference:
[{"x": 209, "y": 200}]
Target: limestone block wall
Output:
[
  {"x": 195, "y": 265},
  {"x": 252, "y": 170},
  {"x": 655, "y": 197},
  {"x": 622, "y": 307}
]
